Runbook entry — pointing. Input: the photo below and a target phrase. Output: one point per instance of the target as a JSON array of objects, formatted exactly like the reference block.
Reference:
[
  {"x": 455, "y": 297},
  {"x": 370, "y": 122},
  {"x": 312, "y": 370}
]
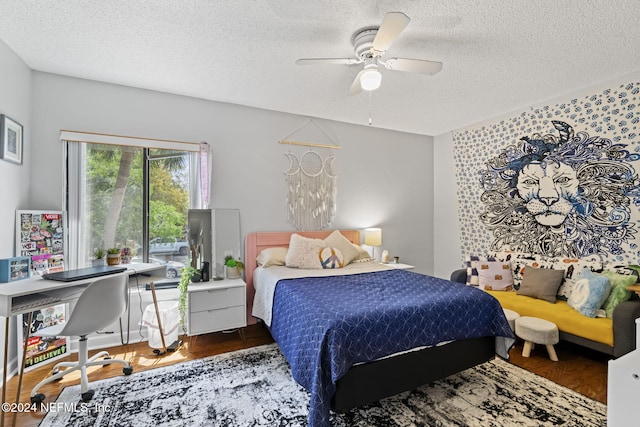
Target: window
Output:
[{"x": 130, "y": 196}]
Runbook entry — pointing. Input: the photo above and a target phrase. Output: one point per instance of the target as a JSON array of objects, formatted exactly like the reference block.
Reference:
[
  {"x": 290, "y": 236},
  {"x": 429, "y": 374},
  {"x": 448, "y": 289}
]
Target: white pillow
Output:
[
  {"x": 304, "y": 252},
  {"x": 363, "y": 255},
  {"x": 337, "y": 240},
  {"x": 271, "y": 256}
]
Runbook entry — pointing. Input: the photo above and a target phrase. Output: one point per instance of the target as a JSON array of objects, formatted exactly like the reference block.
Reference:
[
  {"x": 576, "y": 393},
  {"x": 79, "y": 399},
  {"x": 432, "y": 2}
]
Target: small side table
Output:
[
  {"x": 634, "y": 288},
  {"x": 399, "y": 266}
]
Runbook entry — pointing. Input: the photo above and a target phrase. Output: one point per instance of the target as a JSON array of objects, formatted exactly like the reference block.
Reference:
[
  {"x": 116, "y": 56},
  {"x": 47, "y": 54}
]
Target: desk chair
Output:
[{"x": 101, "y": 304}]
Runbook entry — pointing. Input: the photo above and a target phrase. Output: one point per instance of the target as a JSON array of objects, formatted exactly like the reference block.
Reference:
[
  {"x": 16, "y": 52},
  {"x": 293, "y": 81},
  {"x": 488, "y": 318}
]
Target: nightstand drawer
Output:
[
  {"x": 216, "y": 298},
  {"x": 217, "y": 320}
]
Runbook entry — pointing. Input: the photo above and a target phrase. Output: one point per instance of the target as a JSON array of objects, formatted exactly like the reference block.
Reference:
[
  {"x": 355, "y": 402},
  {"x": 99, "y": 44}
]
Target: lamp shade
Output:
[
  {"x": 373, "y": 237},
  {"x": 370, "y": 79}
]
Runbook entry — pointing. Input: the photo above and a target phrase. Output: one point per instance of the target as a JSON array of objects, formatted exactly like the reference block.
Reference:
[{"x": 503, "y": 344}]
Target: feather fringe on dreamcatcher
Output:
[{"x": 310, "y": 191}]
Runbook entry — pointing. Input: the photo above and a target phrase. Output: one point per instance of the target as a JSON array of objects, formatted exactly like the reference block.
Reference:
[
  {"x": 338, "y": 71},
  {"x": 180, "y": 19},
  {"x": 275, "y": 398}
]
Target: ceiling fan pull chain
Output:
[{"x": 370, "y": 122}]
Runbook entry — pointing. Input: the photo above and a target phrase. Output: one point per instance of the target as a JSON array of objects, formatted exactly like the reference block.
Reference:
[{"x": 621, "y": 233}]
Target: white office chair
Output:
[{"x": 101, "y": 304}]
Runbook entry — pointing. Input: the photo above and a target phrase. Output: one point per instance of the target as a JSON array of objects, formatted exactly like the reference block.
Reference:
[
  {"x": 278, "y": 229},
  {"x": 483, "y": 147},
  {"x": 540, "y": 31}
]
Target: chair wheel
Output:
[
  {"x": 127, "y": 370},
  {"x": 55, "y": 372},
  {"x": 87, "y": 396},
  {"x": 37, "y": 399}
]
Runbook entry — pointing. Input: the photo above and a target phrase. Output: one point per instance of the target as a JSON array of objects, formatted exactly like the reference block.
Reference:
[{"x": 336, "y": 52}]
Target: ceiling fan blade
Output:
[
  {"x": 413, "y": 65},
  {"x": 392, "y": 25},
  {"x": 356, "y": 87},
  {"x": 338, "y": 61}
]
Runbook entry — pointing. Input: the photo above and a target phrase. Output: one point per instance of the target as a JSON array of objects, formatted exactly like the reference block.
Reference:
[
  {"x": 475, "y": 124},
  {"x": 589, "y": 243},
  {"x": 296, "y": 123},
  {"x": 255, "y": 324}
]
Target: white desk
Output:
[
  {"x": 44, "y": 293},
  {"x": 62, "y": 292}
]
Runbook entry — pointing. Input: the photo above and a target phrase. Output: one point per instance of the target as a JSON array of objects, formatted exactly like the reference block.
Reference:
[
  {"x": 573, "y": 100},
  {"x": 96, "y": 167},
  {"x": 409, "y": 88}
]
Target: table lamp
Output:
[{"x": 373, "y": 238}]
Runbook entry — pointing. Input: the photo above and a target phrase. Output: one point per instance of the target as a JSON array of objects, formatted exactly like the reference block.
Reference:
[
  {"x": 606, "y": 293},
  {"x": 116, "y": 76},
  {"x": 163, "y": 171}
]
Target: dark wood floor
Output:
[{"x": 579, "y": 369}]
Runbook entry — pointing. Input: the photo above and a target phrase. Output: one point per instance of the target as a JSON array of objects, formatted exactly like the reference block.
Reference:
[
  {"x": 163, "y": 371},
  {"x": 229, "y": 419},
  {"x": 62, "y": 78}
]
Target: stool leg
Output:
[
  {"x": 526, "y": 350},
  {"x": 552, "y": 352}
]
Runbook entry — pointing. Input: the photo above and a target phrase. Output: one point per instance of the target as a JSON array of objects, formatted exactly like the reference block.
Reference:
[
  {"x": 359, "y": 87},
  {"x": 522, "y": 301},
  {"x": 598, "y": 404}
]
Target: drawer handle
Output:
[{"x": 220, "y": 309}]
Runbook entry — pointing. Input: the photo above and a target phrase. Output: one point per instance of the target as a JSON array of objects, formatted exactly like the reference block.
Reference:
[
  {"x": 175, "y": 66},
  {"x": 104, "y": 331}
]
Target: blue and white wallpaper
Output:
[{"x": 559, "y": 180}]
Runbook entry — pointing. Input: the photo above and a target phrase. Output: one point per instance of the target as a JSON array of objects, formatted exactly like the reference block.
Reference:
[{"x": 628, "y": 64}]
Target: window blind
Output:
[{"x": 133, "y": 141}]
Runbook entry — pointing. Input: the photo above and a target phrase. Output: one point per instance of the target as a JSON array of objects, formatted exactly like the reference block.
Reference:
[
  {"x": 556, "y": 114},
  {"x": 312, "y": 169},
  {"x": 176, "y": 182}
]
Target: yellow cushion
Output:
[{"x": 567, "y": 319}]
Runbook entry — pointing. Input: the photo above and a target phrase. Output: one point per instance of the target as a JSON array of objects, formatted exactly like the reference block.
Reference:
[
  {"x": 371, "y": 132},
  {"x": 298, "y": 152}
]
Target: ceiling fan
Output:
[{"x": 369, "y": 45}]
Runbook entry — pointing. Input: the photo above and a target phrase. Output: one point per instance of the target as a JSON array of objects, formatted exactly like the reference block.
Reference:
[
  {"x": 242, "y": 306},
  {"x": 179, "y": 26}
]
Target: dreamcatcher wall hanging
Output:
[
  {"x": 310, "y": 186},
  {"x": 310, "y": 191}
]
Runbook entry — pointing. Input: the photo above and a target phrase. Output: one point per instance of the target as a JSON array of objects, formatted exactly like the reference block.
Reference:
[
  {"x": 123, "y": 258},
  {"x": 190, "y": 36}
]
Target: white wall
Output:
[
  {"x": 384, "y": 177},
  {"x": 15, "y": 102},
  {"x": 446, "y": 237}
]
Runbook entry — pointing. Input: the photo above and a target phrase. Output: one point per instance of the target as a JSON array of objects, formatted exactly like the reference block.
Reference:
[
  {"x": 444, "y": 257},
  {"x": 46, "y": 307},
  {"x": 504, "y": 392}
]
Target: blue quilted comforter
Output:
[{"x": 325, "y": 325}]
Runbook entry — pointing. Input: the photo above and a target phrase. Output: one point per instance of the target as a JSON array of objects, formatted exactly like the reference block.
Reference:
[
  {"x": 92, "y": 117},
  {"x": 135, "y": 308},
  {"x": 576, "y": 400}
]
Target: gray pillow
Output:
[{"x": 541, "y": 283}]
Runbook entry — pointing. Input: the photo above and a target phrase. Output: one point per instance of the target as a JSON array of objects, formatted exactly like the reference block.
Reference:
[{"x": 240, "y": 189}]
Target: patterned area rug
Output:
[{"x": 254, "y": 387}]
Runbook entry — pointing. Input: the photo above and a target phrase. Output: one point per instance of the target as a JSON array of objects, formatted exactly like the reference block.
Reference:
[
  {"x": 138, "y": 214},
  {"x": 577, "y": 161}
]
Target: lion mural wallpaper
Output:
[{"x": 559, "y": 180}]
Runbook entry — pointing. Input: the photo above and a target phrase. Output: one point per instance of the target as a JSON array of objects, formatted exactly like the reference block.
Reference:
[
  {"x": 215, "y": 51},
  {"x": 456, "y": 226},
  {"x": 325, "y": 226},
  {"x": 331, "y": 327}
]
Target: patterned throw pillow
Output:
[
  {"x": 331, "y": 258},
  {"x": 570, "y": 266},
  {"x": 495, "y": 276},
  {"x": 472, "y": 268},
  {"x": 589, "y": 293},
  {"x": 518, "y": 261}
]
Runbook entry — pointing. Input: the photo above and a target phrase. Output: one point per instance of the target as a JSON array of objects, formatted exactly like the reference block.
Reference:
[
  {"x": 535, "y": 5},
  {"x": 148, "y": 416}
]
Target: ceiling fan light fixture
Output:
[{"x": 371, "y": 79}]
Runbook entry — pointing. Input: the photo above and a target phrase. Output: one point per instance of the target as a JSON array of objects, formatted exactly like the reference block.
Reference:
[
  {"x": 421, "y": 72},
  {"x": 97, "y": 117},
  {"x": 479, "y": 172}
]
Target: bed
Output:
[{"x": 357, "y": 334}]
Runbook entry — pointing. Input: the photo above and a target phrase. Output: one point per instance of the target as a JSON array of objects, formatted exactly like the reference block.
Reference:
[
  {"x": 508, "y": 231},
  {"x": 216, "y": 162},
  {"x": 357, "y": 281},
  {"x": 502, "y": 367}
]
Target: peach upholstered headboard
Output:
[{"x": 255, "y": 242}]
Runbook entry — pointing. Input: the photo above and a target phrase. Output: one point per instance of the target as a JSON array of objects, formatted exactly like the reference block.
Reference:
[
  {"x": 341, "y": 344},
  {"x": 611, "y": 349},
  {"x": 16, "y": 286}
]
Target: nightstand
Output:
[
  {"x": 216, "y": 306},
  {"x": 399, "y": 266}
]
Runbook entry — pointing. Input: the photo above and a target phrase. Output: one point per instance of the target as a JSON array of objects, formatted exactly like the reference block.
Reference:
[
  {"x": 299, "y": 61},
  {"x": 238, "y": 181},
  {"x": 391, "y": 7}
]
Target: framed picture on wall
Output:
[{"x": 10, "y": 140}]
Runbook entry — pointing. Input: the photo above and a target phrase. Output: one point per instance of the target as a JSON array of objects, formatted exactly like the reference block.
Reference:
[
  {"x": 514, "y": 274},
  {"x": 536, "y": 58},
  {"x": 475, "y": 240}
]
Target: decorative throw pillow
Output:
[
  {"x": 541, "y": 283},
  {"x": 519, "y": 261},
  {"x": 337, "y": 240},
  {"x": 572, "y": 268},
  {"x": 495, "y": 275},
  {"x": 472, "y": 269},
  {"x": 304, "y": 252},
  {"x": 331, "y": 258},
  {"x": 589, "y": 292},
  {"x": 271, "y": 256},
  {"x": 619, "y": 292}
]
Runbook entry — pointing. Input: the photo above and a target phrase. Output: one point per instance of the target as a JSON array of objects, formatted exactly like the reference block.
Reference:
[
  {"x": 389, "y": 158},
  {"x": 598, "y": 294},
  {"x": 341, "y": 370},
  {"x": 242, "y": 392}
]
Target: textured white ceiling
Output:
[{"x": 498, "y": 55}]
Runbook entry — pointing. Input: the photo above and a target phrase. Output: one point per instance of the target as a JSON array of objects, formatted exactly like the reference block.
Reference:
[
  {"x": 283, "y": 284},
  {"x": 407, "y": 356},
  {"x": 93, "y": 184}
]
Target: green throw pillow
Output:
[{"x": 619, "y": 292}]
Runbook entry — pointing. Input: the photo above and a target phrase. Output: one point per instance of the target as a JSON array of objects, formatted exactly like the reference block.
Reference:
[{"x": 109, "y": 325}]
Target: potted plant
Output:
[
  {"x": 99, "y": 257},
  {"x": 113, "y": 256},
  {"x": 185, "y": 279},
  {"x": 234, "y": 267}
]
